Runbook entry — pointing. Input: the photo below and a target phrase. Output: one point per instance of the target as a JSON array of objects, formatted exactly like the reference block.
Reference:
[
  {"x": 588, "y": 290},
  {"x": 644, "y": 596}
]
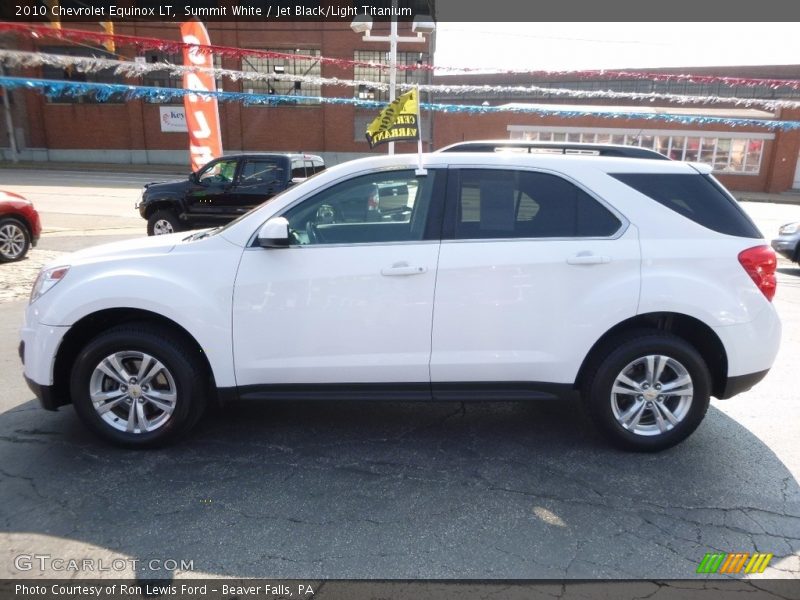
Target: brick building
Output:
[
  {"x": 745, "y": 158},
  {"x": 131, "y": 131}
]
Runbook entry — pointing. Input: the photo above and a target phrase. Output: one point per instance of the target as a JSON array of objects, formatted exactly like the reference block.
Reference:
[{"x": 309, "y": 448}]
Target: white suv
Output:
[{"x": 638, "y": 284}]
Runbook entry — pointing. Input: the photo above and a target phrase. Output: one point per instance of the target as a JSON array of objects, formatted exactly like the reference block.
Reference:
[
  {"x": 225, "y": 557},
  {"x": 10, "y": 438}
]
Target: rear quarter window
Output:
[{"x": 696, "y": 197}]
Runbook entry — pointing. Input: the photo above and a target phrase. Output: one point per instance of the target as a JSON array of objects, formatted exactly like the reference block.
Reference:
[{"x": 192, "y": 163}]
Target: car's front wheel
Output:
[
  {"x": 14, "y": 240},
  {"x": 138, "y": 386},
  {"x": 650, "y": 392},
  {"x": 162, "y": 222}
]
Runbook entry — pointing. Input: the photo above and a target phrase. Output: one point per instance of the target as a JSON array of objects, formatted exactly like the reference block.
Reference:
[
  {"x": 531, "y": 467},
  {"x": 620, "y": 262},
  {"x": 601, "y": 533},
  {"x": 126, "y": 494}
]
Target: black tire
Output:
[
  {"x": 161, "y": 221},
  {"x": 15, "y": 240},
  {"x": 627, "y": 355},
  {"x": 183, "y": 377}
]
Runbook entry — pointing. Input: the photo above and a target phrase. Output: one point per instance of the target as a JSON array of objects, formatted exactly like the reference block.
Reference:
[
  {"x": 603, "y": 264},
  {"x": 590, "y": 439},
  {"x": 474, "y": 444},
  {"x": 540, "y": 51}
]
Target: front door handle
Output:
[
  {"x": 586, "y": 258},
  {"x": 402, "y": 269}
]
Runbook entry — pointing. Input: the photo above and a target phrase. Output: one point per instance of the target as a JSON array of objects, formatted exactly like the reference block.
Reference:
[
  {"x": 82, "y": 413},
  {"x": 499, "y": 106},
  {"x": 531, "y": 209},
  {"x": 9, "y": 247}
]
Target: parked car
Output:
[
  {"x": 20, "y": 226},
  {"x": 788, "y": 241},
  {"x": 222, "y": 190},
  {"x": 640, "y": 285}
]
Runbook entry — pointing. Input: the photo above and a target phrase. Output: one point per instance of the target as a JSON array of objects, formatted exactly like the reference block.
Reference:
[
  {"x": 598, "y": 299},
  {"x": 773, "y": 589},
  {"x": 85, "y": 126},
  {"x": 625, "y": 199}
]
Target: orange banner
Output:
[{"x": 202, "y": 114}]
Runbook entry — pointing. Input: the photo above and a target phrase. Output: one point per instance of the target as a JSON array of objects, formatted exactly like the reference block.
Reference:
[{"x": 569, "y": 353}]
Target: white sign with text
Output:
[{"x": 173, "y": 119}]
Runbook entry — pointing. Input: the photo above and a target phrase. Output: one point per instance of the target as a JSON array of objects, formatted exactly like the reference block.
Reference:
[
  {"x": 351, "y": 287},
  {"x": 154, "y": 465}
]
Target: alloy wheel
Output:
[
  {"x": 12, "y": 241},
  {"x": 133, "y": 392},
  {"x": 652, "y": 395},
  {"x": 162, "y": 227}
]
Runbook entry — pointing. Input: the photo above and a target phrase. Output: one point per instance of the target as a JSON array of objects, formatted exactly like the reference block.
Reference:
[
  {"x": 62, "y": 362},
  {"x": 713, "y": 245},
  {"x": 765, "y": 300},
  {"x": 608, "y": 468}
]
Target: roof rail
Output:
[{"x": 554, "y": 148}]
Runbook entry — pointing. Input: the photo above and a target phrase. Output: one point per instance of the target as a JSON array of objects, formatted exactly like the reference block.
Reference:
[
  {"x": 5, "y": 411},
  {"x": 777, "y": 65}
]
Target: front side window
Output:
[
  {"x": 222, "y": 171},
  {"x": 381, "y": 207},
  {"x": 520, "y": 204}
]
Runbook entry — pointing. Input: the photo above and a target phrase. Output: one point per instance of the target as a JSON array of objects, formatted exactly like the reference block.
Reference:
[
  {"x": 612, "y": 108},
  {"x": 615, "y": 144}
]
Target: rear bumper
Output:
[
  {"x": 751, "y": 349},
  {"x": 741, "y": 383}
]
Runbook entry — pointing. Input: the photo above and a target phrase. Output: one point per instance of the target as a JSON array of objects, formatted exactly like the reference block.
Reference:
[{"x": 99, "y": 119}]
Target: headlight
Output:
[
  {"x": 789, "y": 228},
  {"x": 46, "y": 280}
]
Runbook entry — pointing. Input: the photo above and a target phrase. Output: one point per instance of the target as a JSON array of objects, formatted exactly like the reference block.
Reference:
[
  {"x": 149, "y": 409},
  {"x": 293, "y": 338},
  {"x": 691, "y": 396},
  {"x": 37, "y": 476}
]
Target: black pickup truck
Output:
[{"x": 222, "y": 190}]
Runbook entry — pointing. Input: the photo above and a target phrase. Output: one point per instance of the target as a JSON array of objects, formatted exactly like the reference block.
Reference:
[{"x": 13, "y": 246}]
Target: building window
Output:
[
  {"x": 302, "y": 67},
  {"x": 740, "y": 155},
  {"x": 380, "y": 75},
  {"x": 71, "y": 74},
  {"x": 165, "y": 78}
]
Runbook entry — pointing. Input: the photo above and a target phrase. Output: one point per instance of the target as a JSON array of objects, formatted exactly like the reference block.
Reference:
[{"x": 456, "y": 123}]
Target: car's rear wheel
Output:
[
  {"x": 163, "y": 222},
  {"x": 138, "y": 386},
  {"x": 649, "y": 392},
  {"x": 14, "y": 240}
]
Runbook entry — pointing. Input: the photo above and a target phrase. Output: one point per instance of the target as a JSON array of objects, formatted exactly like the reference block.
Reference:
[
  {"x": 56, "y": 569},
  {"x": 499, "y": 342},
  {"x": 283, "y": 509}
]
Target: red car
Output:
[{"x": 20, "y": 226}]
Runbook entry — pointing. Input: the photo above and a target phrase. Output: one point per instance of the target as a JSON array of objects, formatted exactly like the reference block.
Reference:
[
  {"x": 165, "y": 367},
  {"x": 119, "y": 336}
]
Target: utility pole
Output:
[{"x": 12, "y": 139}]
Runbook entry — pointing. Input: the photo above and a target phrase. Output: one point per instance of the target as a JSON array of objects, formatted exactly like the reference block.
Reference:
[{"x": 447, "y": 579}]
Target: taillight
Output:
[{"x": 760, "y": 263}]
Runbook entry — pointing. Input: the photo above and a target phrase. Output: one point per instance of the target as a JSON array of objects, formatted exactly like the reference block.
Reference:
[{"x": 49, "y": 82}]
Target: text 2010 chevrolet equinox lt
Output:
[{"x": 639, "y": 284}]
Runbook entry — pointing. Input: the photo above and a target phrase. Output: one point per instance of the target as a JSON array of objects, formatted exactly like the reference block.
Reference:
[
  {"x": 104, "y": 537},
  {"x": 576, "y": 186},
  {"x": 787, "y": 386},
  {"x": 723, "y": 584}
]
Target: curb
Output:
[
  {"x": 99, "y": 167},
  {"x": 789, "y": 199}
]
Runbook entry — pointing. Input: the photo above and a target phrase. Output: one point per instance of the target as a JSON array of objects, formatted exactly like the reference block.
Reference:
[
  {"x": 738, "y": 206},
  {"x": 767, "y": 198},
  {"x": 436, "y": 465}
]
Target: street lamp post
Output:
[{"x": 421, "y": 25}]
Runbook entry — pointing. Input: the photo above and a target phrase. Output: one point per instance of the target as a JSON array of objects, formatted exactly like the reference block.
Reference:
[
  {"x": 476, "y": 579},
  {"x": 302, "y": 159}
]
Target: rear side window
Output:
[
  {"x": 298, "y": 169},
  {"x": 522, "y": 204},
  {"x": 696, "y": 197}
]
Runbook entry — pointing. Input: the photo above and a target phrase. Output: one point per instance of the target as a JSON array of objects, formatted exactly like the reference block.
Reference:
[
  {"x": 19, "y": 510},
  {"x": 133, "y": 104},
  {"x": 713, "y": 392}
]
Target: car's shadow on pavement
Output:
[{"x": 396, "y": 490}]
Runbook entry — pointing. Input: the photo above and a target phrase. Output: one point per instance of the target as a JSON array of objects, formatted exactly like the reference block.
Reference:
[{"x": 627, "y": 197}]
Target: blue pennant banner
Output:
[{"x": 104, "y": 92}]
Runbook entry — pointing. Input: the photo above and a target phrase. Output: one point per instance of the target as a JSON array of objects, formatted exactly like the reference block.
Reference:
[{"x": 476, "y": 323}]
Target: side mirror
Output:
[
  {"x": 274, "y": 233},
  {"x": 296, "y": 180},
  {"x": 193, "y": 177}
]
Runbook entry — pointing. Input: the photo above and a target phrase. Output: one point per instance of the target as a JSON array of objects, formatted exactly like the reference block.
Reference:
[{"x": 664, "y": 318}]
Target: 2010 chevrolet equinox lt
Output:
[{"x": 639, "y": 284}]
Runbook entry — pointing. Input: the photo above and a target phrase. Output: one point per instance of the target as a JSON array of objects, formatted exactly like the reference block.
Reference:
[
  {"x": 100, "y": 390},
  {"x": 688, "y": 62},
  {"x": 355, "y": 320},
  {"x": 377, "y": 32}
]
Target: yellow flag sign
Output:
[{"x": 398, "y": 121}]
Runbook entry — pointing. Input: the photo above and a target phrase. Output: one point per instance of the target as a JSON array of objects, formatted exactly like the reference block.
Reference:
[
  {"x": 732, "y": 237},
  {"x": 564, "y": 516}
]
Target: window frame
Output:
[
  {"x": 751, "y": 164},
  {"x": 101, "y": 77},
  {"x": 451, "y": 207},
  {"x": 265, "y": 66},
  {"x": 380, "y": 76}
]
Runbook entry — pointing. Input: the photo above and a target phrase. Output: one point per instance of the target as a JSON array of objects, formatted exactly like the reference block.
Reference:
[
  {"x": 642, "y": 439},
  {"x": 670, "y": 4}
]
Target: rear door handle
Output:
[
  {"x": 588, "y": 259},
  {"x": 402, "y": 269}
]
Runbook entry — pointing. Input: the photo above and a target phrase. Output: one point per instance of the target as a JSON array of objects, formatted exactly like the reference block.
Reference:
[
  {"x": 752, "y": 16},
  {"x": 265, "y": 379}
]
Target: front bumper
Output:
[
  {"x": 48, "y": 397},
  {"x": 38, "y": 349},
  {"x": 786, "y": 247}
]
